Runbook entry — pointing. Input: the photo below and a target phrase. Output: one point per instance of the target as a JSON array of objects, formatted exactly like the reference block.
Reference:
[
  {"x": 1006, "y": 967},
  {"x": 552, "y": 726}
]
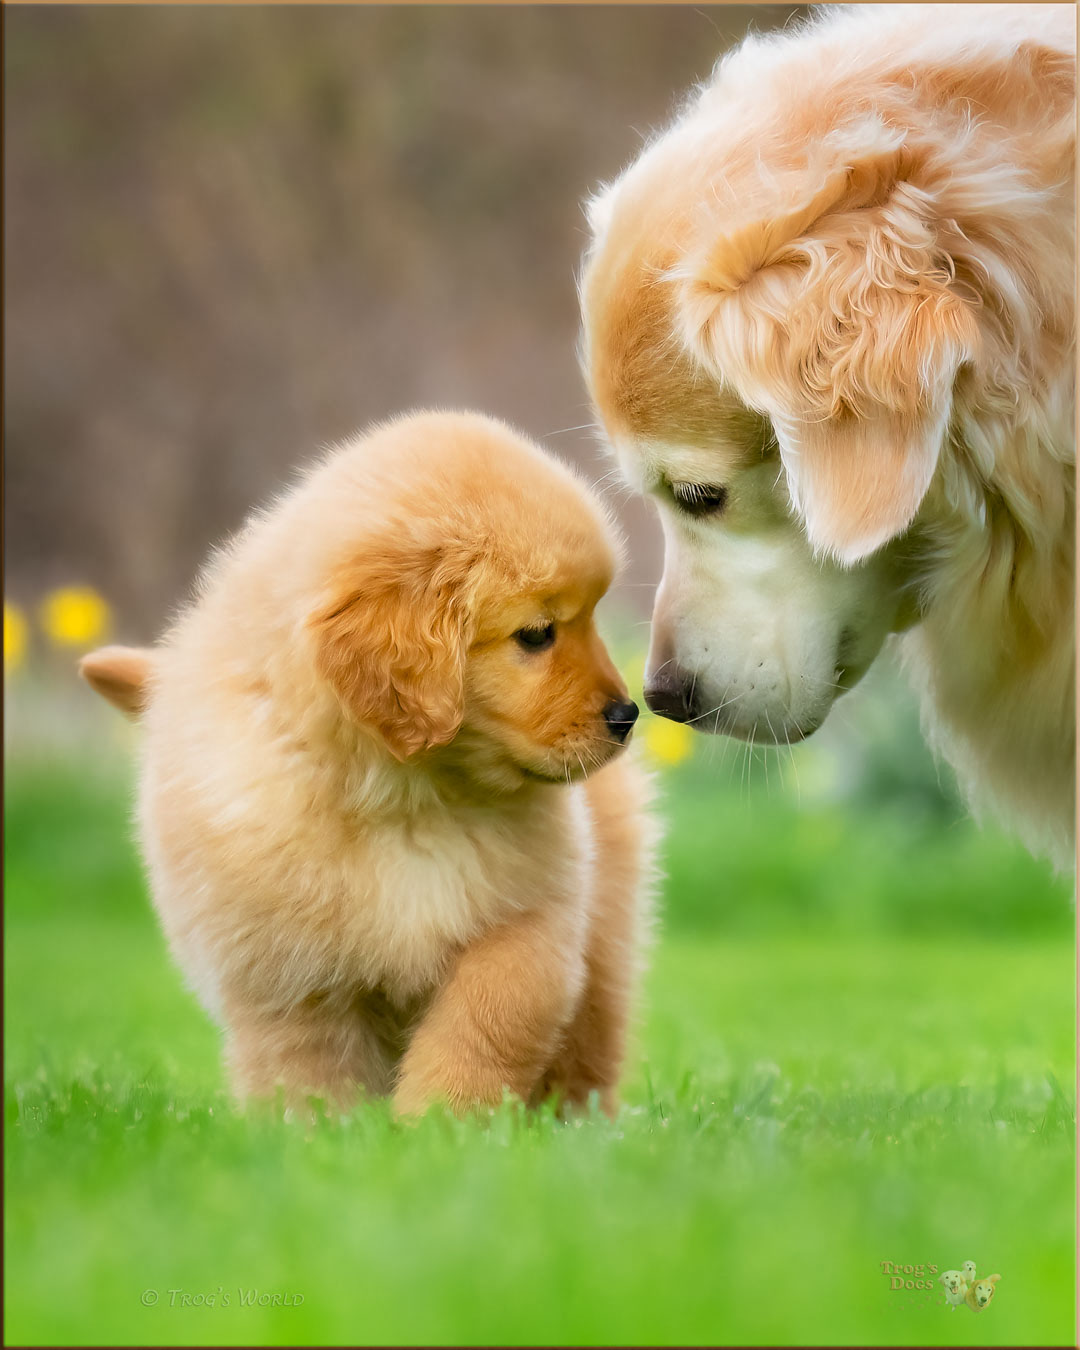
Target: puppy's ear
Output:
[
  {"x": 121, "y": 675},
  {"x": 392, "y": 645},
  {"x": 835, "y": 312}
]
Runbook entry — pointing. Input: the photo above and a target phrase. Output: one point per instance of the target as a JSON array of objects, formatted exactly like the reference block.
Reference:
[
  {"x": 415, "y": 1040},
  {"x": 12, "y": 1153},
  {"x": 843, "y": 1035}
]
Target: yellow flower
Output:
[
  {"x": 15, "y": 636},
  {"x": 668, "y": 742},
  {"x": 75, "y": 616}
]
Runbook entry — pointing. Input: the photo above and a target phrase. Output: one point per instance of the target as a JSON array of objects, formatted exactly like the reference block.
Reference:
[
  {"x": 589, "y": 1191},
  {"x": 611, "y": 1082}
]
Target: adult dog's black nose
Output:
[
  {"x": 669, "y": 695},
  {"x": 620, "y": 718}
]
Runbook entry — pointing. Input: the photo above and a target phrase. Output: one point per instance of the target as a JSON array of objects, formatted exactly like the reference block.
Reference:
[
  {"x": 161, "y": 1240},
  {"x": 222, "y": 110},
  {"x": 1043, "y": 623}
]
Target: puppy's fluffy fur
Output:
[
  {"x": 364, "y": 803},
  {"x": 838, "y": 296}
]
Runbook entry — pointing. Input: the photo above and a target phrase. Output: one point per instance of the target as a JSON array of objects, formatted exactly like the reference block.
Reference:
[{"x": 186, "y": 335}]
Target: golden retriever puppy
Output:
[
  {"x": 828, "y": 326},
  {"x": 387, "y": 829}
]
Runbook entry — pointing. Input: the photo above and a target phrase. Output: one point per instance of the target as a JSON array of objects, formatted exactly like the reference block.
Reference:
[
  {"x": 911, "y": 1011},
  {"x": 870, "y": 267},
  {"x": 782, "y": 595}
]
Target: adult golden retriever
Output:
[{"x": 829, "y": 327}]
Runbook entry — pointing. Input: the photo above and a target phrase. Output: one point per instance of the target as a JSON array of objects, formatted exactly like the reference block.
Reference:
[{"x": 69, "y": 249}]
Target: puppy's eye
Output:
[
  {"x": 535, "y": 639},
  {"x": 700, "y": 499}
]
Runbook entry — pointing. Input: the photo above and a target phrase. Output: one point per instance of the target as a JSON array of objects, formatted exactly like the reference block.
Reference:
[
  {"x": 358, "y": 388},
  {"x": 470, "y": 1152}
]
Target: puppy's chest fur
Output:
[
  {"x": 328, "y": 905},
  {"x": 438, "y": 884}
]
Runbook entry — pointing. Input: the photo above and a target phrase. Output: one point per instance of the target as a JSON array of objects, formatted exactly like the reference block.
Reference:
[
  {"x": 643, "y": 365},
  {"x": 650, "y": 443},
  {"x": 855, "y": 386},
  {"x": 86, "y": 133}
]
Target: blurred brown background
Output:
[{"x": 234, "y": 234}]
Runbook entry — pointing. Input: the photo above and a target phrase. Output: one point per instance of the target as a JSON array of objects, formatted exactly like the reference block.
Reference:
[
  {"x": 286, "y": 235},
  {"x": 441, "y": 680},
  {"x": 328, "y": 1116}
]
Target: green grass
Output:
[{"x": 856, "y": 1047}]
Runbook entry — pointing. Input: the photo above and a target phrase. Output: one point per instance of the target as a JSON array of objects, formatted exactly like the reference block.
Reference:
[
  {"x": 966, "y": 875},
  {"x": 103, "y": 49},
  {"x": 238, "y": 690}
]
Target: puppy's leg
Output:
[
  {"x": 495, "y": 1023},
  {"x": 590, "y": 1057},
  {"x": 323, "y": 1047}
]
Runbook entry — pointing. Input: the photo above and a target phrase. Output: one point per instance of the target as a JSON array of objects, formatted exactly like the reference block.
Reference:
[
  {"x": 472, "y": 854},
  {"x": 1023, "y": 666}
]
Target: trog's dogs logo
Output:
[{"x": 964, "y": 1286}]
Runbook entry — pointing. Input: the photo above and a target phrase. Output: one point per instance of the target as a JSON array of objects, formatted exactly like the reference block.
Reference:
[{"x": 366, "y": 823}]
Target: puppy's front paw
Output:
[
  {"x": 416, "y": 1093},
  {"x": 461, "y": 1083},
  {"x": 412, "y": 1097}
]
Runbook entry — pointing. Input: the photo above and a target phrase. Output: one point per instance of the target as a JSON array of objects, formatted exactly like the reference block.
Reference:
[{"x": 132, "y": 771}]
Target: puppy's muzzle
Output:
[{"x": 620, "y": 718}]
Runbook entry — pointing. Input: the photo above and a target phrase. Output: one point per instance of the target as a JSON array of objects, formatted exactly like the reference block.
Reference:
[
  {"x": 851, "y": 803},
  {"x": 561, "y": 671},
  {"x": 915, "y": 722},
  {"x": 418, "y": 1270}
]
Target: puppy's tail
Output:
[{"x": 122, "y": 675}]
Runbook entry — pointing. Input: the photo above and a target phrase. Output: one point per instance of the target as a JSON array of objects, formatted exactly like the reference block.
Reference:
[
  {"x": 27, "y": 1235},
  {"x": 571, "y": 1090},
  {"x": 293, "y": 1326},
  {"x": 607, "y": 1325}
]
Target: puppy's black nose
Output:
[
  {"x": 620, "y": 718},
  {"x": 669, "y": 695}
]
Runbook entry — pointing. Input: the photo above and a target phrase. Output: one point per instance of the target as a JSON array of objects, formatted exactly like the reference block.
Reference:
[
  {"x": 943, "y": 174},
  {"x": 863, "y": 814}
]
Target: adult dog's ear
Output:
[
  {"x": 858, "y": 475},
  {"x": 391, "y": 643},
  {"x": 833, "y": 309},
  {"x": 861, "y": 458},
  {"x": 121, "y": 675}
]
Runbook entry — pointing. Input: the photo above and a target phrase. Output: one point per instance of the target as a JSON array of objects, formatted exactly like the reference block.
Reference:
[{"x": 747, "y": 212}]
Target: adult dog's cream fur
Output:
[
  {"x": 363, "y": 799},
  {"x": 828, "y": 323}
]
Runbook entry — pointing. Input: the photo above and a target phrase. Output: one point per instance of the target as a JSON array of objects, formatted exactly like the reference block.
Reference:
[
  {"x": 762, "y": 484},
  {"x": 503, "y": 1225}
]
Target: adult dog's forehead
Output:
[{"x": 665, "y": 418}]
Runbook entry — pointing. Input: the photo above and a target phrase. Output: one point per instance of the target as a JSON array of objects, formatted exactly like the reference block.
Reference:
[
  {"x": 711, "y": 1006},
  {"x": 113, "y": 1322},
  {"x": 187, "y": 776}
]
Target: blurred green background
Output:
[{"x": 232, "y": 234}]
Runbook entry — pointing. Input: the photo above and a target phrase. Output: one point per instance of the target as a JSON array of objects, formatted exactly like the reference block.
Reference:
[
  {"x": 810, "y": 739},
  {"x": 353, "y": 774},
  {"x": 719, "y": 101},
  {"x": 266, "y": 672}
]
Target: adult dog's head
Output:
[{"x": 780, "y": 306}]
